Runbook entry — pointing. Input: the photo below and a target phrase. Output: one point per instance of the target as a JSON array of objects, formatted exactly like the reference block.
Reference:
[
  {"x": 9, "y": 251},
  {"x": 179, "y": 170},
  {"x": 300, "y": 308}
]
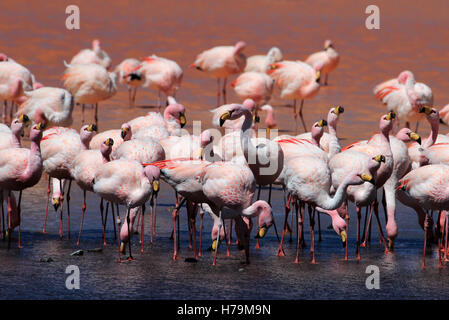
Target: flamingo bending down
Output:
[
  {"x": 128, "y": 74},
  {"x": 428, "y": 187},
  {"x": 95, "y": 55},
  {"x": 404, "y": 96},
  {"x": 89, "y": 84},
  {"x": 261, "y": 63},
  {"x": 84, "y": 168},
  {"x": 53, "y": 106},
  {"x": 59, "y": 147},
  {"x": 127, "y": 183},
  {"x": 21, "y": 168},
  {"x": 221, "y": 62},
  {"x": 296, "y": 80},
  {"x": 162, "y": 75},
  {"x": 329, "y": 58}
]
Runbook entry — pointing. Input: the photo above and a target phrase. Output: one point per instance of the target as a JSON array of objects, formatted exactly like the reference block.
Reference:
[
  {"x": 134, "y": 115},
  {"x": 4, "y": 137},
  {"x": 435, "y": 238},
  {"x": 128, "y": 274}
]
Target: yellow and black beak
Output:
[
  {"x": 367, "y": 177},
  {"x": 56, "y": 203},
  {"x": 122, "y": 247},
  {"x": 214, "y": 245},
  {"x": 379, "y": 158},
  {"x": 344, "y": 237},
  {"x": 426, "y": 109},
  {"x": 225, "y": 116},
  {"x": 318, "y": 76},
  {"x": 390, "y": 116},
  {"x": 155, "y": 186},
  {"x": 415, "y": 137},
  {"x": 339, "y": 109},
  {"x": 182, "y": 119},
  {"x": 92, "y": 127},
  {"x": 24, "y": 118},
  {"x": 201, "y": 153},
  {"x": 390, "y": 244},
  {"x": 109, "y": 142},
  {"x": 262, "y": 232},
  {"x": 124, "y": 132},
  {"x": 40, "y": 126},
  {"x": 322, "y": 123}
]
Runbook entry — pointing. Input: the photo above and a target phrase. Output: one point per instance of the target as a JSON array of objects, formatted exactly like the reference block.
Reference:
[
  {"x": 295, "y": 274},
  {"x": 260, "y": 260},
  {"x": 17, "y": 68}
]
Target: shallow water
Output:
[{"x": 411, "y": 37}]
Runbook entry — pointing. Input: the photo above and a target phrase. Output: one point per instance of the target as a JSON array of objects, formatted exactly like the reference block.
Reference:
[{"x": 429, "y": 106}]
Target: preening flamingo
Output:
[
  {"x": 404, "y": 96},
  {"x": 261, "y": 63},
  {"x": 52, "y": 106},
  {"x": 21, "y": 168},
  {"x": 89, "y": 84},
  {"x": 84, "y": 168},
  {"x": 428, "y": 187},
  {"x": 329, "y": 58},
  {"x": 95, "y": 55},
  {"x": 59, "y": 147},
  {"x": 221, "y": 62},
  {"x": 128, "y": 74},
  {"x": 162, "y": 75},
  {"x": 127, "y": 183},
  {"x": 298, "y": 81}
]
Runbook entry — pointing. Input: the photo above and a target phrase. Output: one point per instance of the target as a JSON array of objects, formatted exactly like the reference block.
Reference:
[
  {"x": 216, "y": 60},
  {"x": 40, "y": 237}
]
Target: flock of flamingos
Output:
[{"x": 123, "y": 166}]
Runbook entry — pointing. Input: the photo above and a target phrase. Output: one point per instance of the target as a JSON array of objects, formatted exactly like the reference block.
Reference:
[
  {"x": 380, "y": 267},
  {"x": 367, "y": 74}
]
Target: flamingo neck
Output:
[
  {"x": 34, "y": 167},
  {"x": 16, "y": 139},
  {"x": 432, "y": 138}
]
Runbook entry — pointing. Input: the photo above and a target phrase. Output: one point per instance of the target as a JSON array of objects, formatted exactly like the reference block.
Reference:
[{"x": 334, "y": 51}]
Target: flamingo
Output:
[
  {"x": 10, "y": 137},
  {"x": 85, "y": 165},
  {"x": 427, "y": 186},
  {"x": 230, "y": 125},
  {"x": 117, "y": 135},
  {"x": 128, "y": 74},
  {"x": 296, "y": 80},
  {"x": 89, "y": 84},
  {"x": 329, "y": 58},
  {"x": 173, "y": 120},
  {"x": 221, "y": 62},
  {"x": 59, "y": 147},
  {"x": 270, "y": 122},
  {"x": 230, "y": 188},
  {"x": 95, "y": 55},
  {"x": 128, "y": 183},
  {"x": 254, "y": 85},
  {"x": 261, "y": 63},
  {"x": 444, "y": 115},
  {"x": 329, "y": 141},
  {"x": 404, "y": 96},
  {"x": 187, "y": 146},
  {"x": 52, "y": 106},
  {"x": 162, "y": 75},
  {"x": 21, "y": 168}
]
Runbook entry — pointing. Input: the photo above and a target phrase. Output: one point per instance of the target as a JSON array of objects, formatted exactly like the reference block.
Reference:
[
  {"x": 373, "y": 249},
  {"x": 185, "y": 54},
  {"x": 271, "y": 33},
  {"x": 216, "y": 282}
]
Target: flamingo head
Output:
[
  {"x": 95, "y": 44},
  {"x": 106, "y": 148},
  {"x": 407, "y": 135},
  {"x": 386, "y": 122},
  {"x": 239, "y": 46},
  {"x": 175, "y": 111},
  {"x": 18, "y": 124},
  {"x": 3, "y": 57},
  {"x": 153, "y": 173},
  {"x": 126, "y": 132},
  {"x": 234, "y": 111},
  {"x": 87, "y": 132},
  {"x": 36, "y": 132},
  {"x": 432, "y": 114},
  {"x": 328, "y": 44},
  {"x": 404, "y": 75},
  {"x": 318, "y": 130},
  {"x": 275, "y": 54}
]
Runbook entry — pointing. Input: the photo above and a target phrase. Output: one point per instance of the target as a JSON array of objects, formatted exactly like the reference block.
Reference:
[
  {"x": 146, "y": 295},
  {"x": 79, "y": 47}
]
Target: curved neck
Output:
[
  {"x": 432, "y": 138},
  {"x": 332, "y": 203},
  {"x": 245, "y": 136},
  {"x": 16, "y": 139},
  {"x": 34, "y": 161}
]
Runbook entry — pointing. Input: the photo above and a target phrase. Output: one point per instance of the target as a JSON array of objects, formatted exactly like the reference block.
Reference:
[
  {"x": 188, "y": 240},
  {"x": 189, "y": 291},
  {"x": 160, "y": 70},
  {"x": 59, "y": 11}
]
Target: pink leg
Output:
[
  {"x": 312, "y": 233},
  {"x": 142, "y": 228},
  {"x": 46, "y": 209},
  {"x": 83, "y": 211},
  {"x": 201, "y": 232},
  {"x": 18, "y": 213}
]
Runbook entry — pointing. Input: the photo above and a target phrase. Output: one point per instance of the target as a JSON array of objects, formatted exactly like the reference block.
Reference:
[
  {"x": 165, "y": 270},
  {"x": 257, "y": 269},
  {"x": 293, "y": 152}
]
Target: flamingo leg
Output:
[
  {"x": 3, "y": 218},
  {"x": 218, "y": 92},
  {"x": 319, "y": 227},
  {"x": 128, "y": 222},
  {"x": 96, "y": 114},
  {"x": 175, "y": 235},
  {"x": 83, "y": 106},
  {"x": 358, "y": 232},
  {"x": 5, "y": 106},
  {"x": 281, "y": 252},
  {"x": 61, "y": 208},
  {"x": 142, "y": 229},
  {"x": 301, "y": 116},
  {"x": 201, "y": 231},
  {"x": 154, "y": 214},
  {"x": 325, "y": 79},
  {"x": 83, "y": 211},
  {"x": 102, "y": 221},
  {"x": 220, "y": 223},
  {"x": 18, "y": 213},
  {"x": 426, "y": 226},
  {"x": 312, "y": 233},
  {"x": 113, "y": 221},
  {"x": 68, "y": 206},
  {"x": 44, "y": 230},
  {"x": 368, "y": 233},
  {"x": 381, "y": 234},
  {"x": 118, "y": 237},
  {"x": 224, "y": 90},
  {"x": 192, "y": 221},
  {"x": 295, "y": 115},
  {"x": 297, "y": 233},
  {"x": 134, "y": 96}
]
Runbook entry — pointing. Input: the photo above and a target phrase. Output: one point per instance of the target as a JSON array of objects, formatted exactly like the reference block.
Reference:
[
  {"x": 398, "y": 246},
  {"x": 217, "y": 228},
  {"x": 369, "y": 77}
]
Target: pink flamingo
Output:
[
  {"x": 254, "y": 85},
  {"x": 230, "y": 188},
  {"x": 95, "y": 55},
  {"x": 261, "y": 63},
  {"x": 10, "y": 137},
  {"x": 404, "y": 96},
  {"x": 296, "y": 80},
  {"x": 173, "y": 120},
  {"x": 427, "y": 186},
  {"x": 127, "y": 183},
  {"x": 59, "y": 147},
  {"x": 187, "y": 146},
  {"x": 117, "y": 135},
  {"x": 89, "y": 84},
  {"x": 21, "y": 168},
  {"x": 329, "y": 58},
  {"x": 128, "y": 74},
  {"x": 53, "y": 106},
  {"x": 84, "y": 167},
  {"x": 221, "y": 62},
  {"x": 162, "y": 75}
]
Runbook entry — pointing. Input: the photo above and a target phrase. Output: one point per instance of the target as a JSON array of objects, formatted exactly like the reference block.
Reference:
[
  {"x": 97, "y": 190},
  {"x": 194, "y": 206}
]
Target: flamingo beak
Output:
[
  {"x": 56, "y": 203},
  {"x": 380, "y": 158},
  {"x": 344, "y": 237},
  {"x": 24, "y": 119},
  {"x": 318, "y": 76},
  {"x": 40, "y": 126},
  {"x": 182, "y": 119},
  {"x": 214, "y": 245},
  {"x": 390, "y": 244},
  {"x": 322, "y": 123},
  {"x": 414, "y": 136},
  {"x": 92, "y": 127},
  {"x": 368, "y": 178},
  {"x": 339, "y": 109},
  {"x": 225, "y": 116},
  {"x": 426, "y": 109},
  {"x": 124, "y": 133},
  {"x": 201, "y": 153},
  {"x": 390, "y": 116},
  {"x": 155, "y": 186},
  {"x": 262, "y": 232},
  {"x": 109, "y": 142},
  {"x": 122, "y": 247}
]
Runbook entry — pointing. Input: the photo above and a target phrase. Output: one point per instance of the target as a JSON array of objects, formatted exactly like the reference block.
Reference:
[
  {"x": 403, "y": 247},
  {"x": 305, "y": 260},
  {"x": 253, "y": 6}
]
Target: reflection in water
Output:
[{"x": 34, "y": 34}]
